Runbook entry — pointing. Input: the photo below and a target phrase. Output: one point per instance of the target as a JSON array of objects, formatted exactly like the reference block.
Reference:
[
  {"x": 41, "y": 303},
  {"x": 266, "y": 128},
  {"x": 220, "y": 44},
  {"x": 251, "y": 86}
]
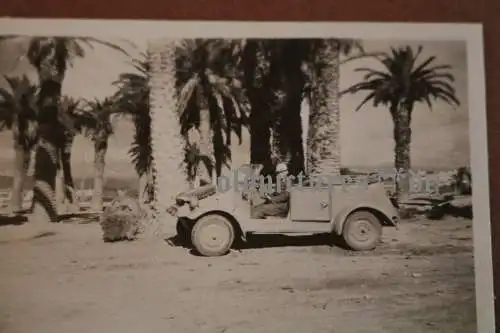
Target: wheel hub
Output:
[
  {"x": 363, "y": 231},
  {"x": 214, "y": 236}
]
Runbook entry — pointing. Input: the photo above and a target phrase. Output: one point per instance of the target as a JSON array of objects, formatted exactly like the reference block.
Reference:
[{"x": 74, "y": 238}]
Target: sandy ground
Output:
[{"x": 420, "y": 279}]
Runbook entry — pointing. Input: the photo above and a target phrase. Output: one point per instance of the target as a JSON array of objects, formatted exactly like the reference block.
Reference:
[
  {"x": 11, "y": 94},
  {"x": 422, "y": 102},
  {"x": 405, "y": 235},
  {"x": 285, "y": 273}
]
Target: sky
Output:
[{"x": 440, "y": 137}]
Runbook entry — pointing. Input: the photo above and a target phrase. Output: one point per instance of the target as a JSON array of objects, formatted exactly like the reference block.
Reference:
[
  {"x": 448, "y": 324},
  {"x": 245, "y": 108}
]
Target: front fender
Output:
[
  {"x": 386, "y": 218},
  {"x": 216, "y": 205},
  {"x": 204, "y": 206}
]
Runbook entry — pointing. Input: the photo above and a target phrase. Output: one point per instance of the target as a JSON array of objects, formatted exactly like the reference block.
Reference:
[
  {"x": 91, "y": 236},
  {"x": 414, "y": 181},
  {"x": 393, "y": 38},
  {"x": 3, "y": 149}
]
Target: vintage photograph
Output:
[{"x": 251, "y": 182}]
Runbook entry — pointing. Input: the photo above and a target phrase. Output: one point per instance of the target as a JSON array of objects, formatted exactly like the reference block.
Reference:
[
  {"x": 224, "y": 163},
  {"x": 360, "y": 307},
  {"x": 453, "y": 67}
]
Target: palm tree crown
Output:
[
  {"x": 95, "y": 121},
  {"x": 207, "y": 79},
  {"x": 404, "y": 81},
  {"x": 18, "y": 110},
  {"x": 56, "y": 54}
]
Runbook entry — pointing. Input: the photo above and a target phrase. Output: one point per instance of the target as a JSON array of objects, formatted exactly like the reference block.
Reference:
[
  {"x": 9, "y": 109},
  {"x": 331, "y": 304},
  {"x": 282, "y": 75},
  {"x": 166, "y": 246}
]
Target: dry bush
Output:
[{"x": 122, "y": 220}]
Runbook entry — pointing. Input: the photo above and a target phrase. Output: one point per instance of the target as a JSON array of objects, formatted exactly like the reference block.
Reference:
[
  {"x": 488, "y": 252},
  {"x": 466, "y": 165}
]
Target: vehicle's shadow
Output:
[
  {"x": 449, "y": 210},
  {"x": 278, "y": 240},
  {"x": 6, "y": 220},
  {"x": 260, "y": 241}
]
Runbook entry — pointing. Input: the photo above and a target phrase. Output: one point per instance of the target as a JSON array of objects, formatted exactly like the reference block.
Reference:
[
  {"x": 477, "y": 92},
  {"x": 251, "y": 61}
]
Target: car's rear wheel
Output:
[
  {"x": 362, "y": 231},
  {"x": 213, "y": 235}
]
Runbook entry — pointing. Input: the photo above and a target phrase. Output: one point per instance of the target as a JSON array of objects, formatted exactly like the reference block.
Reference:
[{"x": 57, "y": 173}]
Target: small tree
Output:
[{"x": 96, "y": 125}]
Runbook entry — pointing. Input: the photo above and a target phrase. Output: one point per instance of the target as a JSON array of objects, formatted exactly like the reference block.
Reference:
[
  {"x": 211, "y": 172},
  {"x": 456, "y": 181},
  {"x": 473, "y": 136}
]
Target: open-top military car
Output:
[{"x": 212, "y": 220}]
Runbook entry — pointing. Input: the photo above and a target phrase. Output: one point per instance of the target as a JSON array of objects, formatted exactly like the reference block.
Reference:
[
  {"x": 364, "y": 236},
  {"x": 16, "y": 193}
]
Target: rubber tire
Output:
[
  {"x": 183, "y": 233},
  {"x": 375, "y": 229},
  {"x": 205, "y": 221},
  {"x": 437, "y": 213}
]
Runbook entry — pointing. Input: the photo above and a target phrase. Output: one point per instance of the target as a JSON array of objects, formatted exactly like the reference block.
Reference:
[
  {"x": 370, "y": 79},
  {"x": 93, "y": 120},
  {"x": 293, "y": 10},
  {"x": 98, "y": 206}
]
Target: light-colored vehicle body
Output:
[{"x": 312, "y": 210}]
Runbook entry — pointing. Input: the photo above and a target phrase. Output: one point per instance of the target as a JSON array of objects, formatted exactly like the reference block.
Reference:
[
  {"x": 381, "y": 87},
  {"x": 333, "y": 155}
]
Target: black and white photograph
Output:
[{"x": 243, "y": 177}]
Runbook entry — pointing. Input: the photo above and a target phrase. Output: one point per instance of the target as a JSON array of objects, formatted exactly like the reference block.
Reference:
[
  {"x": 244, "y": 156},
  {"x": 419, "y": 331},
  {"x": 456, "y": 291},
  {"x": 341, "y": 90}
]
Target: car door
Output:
[{"x": 310, "y": 204}]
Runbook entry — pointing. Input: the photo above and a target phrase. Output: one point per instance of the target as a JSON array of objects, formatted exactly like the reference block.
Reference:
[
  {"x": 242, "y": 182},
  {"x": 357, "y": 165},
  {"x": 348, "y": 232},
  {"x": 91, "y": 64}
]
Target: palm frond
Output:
[
  {"x": 404, "y": 81},
  {"x": 113, "y": 46},
  {"x": 186, "y": 93},
  {"x": 18, "y": 110}
]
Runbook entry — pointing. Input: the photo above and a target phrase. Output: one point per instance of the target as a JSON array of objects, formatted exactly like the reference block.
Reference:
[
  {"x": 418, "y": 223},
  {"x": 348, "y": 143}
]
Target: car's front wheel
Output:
[
  {"x": 213, "y": 235},
  {"x": 362, "y": 231},
  {"x": 183, "y": 233}
]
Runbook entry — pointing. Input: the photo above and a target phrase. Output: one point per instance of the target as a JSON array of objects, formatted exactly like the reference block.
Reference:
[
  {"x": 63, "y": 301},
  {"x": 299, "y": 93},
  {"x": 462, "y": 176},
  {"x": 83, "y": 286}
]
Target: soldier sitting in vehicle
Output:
[{"x": 273, "y": 204}]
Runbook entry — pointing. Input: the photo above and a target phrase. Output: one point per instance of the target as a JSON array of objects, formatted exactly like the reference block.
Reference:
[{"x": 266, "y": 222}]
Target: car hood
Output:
[{"x": 198, "y": 193}]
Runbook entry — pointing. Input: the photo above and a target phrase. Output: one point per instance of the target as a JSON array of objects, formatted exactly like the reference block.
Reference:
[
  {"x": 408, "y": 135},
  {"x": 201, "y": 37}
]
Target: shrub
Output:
[{"x": 122, "y": 219}]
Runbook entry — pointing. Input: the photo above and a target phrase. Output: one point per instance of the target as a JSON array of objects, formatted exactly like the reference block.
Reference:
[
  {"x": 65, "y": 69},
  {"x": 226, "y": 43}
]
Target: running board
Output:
[{"x": 268, "y": 226}]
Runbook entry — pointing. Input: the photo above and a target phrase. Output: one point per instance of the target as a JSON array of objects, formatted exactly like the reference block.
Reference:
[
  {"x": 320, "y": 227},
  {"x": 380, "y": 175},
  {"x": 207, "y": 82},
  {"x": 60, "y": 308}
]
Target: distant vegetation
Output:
[{"x": 111, "y": 185}]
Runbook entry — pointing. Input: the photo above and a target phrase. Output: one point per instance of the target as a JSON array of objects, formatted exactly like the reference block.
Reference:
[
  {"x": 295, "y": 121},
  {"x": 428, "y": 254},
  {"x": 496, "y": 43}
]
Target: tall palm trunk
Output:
[
  {"x": 69, "y": 184},
  {"x": 323, "y": 148},
  {"x": 259, "y": 131},
  {"x": 143, "y": 189},
  {"x": 21, "y": 164},
  {"x": 278, "y": 141},
  {"x": 65, "y": 189},
  {"x": 100, "y": 150},
  {"x": 46, "y": 163},
  {"x": 204, "y": 174},
  {"x": 259, "y": 117},
  {"x": 401, "y": 117},
  {"x": 60, "y": 202},
  {"x": 294, "y": 85},
  {"x": 168, "y": 143},
  {"x": 293, "y": 128},
  {"x": 191, "y": 156}
]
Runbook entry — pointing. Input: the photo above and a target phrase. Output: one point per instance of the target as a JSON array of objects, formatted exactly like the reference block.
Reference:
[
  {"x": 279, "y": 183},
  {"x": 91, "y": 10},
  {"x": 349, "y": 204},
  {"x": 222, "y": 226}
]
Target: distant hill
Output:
[{"x": 364, "y": 169}]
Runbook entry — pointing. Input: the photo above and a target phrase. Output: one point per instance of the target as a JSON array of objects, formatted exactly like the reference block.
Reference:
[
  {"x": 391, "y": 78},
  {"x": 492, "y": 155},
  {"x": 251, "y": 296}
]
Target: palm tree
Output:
[
  {"x": 132, "y": 99},
  {"x": 18, "y": 112},
  {"x": 278, "y": 75},
  {"x": 51, "y": 56},
  {"x": 207, "y": 86},
  {"x": 402, "y": 82},
  {"x": 96, "y": 125}
]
